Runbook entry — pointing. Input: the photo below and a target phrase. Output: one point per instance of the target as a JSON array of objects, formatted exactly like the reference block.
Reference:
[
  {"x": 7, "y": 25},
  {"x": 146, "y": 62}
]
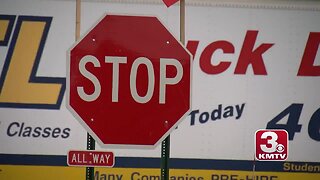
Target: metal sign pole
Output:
[
  {"x": 90, "y": 146},
  {"x": 165, "y": 155},
  {"x": 165, "y": 145},
  {"x": 90, "y": 140},
  {"x": 78, "y": 19},
  {"x": 182, "y": 21}
]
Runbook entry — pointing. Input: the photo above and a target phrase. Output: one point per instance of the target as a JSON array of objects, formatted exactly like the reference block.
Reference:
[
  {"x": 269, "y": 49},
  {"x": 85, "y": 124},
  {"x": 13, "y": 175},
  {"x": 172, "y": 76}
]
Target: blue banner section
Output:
[{"x": 175, "y": 163}]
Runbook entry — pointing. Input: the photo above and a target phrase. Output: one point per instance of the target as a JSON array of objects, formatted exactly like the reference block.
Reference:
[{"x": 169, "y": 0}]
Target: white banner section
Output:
[{"x": 254, "y": 68}]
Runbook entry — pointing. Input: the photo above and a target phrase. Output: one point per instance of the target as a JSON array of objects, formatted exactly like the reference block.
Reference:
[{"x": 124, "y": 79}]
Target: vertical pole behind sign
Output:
[
  {"x": 78, "y": 14},
  {"x": 90, "y": 140},
  {"x": 90, "y": 146},
  {"x": 165, "y": 155},
  {"x": 182, "y": 21},
  {"x": 165, "y": 145}
]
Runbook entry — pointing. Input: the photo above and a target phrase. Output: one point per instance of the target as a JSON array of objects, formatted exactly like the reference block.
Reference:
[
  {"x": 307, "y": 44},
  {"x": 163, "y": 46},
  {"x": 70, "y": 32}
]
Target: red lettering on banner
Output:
[
  {"x": 307, "y": 67},
  {"x": 205, "y": 58},
  {"x": 249, "y": 56},
  {"x": 192, "y": 46}
]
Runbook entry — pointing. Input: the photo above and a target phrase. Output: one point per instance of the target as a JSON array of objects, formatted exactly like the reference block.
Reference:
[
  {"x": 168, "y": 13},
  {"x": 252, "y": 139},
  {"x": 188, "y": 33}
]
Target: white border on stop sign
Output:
[{"x": 86, "y": 127}]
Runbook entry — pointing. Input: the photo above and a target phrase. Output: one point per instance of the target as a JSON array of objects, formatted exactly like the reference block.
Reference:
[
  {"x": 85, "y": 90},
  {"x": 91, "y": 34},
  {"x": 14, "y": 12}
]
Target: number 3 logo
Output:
[{"x": 272, "y": 142}]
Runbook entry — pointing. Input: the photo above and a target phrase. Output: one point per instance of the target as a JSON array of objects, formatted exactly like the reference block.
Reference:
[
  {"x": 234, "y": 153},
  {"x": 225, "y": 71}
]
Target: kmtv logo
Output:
[{"x": 271, "y": 145}]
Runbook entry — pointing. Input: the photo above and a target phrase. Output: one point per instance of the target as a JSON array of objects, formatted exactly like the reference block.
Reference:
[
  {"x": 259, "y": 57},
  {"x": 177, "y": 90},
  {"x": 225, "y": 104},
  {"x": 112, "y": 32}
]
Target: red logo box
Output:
[{"x": 271, "y": 145}]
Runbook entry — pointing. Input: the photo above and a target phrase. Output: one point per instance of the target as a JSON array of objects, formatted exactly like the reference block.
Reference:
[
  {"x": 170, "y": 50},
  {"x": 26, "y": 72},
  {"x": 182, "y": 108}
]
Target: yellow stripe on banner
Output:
[
  {"x": 4, "y": 24},
  {"x": 13, "y": 172}
]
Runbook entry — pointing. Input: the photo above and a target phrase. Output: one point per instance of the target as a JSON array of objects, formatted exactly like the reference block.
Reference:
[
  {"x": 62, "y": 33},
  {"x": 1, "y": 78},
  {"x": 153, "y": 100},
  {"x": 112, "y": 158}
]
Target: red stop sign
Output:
[{"x": 129, "y": 81}]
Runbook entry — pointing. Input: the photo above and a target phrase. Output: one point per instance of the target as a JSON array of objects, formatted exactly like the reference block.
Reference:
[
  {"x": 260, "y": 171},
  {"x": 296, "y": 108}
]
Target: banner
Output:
[{"x": 254, "y": 68}]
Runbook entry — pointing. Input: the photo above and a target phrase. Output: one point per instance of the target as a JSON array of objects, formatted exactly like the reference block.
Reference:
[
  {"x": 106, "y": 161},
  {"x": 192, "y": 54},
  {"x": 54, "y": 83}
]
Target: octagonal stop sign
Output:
[{"x": 129, "y": 81}]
